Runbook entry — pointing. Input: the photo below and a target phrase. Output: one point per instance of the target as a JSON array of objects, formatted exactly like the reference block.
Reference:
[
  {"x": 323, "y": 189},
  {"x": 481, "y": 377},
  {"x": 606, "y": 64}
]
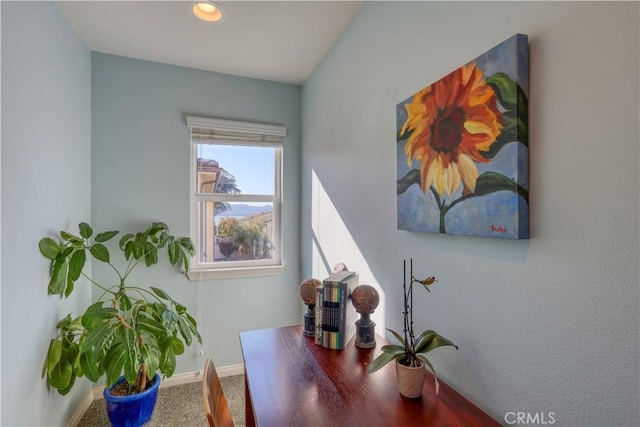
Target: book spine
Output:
[
  {"x": 318, "y": 315},
  {"x": 344, "y": 293},
  {"x": 331, "y": 314},
  {"x": 325, "y": 314}
]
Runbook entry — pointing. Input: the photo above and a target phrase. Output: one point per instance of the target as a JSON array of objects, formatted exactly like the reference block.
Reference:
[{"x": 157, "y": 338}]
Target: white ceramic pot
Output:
[{"x": 410, "y": 379}]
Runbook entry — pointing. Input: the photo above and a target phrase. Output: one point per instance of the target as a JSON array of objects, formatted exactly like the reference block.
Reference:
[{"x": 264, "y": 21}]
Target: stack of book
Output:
[{"x": 334, "y": 315}]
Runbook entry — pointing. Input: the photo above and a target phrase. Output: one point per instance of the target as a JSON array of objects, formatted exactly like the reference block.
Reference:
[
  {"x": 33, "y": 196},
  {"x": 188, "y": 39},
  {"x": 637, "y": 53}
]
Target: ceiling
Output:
[{"x": 282, "y": 41}]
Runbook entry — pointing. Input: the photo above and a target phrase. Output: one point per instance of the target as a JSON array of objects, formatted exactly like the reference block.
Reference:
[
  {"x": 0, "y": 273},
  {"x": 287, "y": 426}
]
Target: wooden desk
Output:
[{"x": 291, "y": 381}]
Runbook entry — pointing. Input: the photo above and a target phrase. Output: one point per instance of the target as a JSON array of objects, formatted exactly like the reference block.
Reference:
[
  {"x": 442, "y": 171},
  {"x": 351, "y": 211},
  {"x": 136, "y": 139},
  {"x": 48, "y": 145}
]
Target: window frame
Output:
[{"x": 235, "y": 133}]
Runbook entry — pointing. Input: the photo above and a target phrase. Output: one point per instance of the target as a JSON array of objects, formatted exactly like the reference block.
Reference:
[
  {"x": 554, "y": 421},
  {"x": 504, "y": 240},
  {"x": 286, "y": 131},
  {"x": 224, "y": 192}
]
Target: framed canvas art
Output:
[{"x": 463, "y": 148}]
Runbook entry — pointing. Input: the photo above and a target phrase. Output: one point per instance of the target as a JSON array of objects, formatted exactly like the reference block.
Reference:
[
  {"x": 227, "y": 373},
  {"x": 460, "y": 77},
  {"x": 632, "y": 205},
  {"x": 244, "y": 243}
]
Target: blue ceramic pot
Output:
[{"x": 134, "y": 410}]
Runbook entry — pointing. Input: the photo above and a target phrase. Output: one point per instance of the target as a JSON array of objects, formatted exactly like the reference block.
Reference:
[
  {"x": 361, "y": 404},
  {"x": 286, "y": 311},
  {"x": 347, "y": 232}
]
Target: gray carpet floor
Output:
[{"x": 179, "y": 405}]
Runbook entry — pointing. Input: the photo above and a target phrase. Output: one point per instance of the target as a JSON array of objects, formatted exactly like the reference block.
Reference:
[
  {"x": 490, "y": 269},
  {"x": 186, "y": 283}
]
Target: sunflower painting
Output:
[{"x": 462, "y": 143}]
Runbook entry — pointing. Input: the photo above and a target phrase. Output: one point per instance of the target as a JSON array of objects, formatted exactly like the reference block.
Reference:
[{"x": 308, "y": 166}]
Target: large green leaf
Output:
[
  {"x": 85, "y": 230},
  {"x": 156, "y": 309},
  {"x": 523, "y": 117},
  {"x": 68, "y": 237},
  {"x": 188, "y": 246},
  {"x": 514, "y": 129},
  {"x": 185, "y": 331},
  {"x": 61, "y": 375},
  {"x": 176, "y": 344},
  {"x": 433, "y": 370},
  {"x": 506, "y": 89},
  {"x": 423, "y": 340},
  {"x": 64, "y": 322},
  {"x": 74, "y": 355},
  {"x": 124, "y": 240},
  {"x": 114, "y": 363},
  {"x": 168, "y": 361},
  {"x": 107, "y": 235},
  {"x": 95, "y": 337},
  {"x": 397, "y": 335},
  {"x": 194, "y": 327},
  {"x": 173, "y": 250},
  {"x": 150, "y": 254},
  {"x": 151, "y": 359},
  {"x": 140, "y": 241},
  {"x": 129, "y": 247},
  {"x": 107, "y": 343},
  {"x": 515, "y": 118},
  {"x": 401, "y": 137},
  {"x": 97, "y": 313},
  {"x": 59, "y": 275},
  {"x": 412, "y": 177},
  {"x": 162, "y": 294},
  {"x": 124, "y": 302},
  {"x": 180, "y": 309},
  {"x": 54, "y": 353},
  {"x": 76, "y": 264},
  {"x": 49, "y": 248},
  {"x": 69, "y": 288},
  {"x": 163, "y": 239},
  {"x": 381, "y": 360},
  {"x": 67, "y": 389},
  {"x": 89, "y": 368},
  {"x": 100, "y": 252},
  {"x": 185, "y": 262},
  {"x": 393, "y": 349},
  {"x": 147, "y": 323},
  {"x": 508, "y": 134},
  {"x": 188, "y": 250},
  {"x": 170, "y": 321},
  {"x": 491, "y": 182},
  {"x": 156, "y": 227},
  {"x": 438, "y": 341},
  {"x": 99, "y": 339},
  {"x": 60, "y": 378},
  {"x": 130, "y": 355},
  {"x": 428, "y": 331}
]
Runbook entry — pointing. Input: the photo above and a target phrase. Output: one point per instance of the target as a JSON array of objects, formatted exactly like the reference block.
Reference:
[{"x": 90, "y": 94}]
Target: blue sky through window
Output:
[{"x": 253, "y": 167}]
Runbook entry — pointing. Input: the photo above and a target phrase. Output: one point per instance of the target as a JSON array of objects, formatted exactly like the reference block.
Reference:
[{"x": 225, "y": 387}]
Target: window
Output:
[{"x": 236, "y": 198}]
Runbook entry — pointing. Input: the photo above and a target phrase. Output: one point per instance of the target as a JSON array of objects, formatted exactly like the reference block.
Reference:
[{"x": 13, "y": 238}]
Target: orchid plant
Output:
[{"x": 411, "y": 350}]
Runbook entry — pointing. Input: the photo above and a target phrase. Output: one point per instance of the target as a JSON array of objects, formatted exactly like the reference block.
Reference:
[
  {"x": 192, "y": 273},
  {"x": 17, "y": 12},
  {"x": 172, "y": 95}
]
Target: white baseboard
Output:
[
  {"x": 185, "y": 378},
  {"x": 80, "y": 410},
  {"x": 227, "y": 371}
]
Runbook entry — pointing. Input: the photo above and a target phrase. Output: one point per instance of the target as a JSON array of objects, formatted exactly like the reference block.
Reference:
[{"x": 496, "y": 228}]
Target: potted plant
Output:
[
  {"x": 409, "y": 355},
  {"x": 130, "y": 333}
]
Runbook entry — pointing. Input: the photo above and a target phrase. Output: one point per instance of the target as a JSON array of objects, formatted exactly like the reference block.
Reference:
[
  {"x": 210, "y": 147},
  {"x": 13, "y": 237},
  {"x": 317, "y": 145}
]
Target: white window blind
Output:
[{"x": 206, "y": 130}]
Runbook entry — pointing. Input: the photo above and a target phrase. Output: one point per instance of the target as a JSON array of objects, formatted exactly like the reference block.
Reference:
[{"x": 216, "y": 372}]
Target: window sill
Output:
[{"x": 232, "y": 273}]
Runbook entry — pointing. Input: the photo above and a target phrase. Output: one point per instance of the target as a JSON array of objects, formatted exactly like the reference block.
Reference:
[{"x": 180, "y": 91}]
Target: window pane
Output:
[
  {"x": 229, "y": 169},
  {"x": 235, "y": 231}
]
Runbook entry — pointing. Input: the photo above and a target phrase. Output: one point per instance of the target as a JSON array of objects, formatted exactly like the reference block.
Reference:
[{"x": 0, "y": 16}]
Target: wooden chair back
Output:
[{"x": 215, "y": 403}]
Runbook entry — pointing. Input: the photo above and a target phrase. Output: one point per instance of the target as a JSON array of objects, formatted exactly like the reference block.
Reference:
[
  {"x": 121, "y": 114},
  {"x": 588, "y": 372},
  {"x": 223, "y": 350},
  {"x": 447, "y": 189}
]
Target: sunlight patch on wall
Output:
[{"x": 333, "y": 243}]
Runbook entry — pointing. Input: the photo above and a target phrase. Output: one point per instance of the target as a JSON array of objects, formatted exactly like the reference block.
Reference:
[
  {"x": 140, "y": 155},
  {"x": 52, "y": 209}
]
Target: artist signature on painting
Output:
[{"x": 498, "y": 229}]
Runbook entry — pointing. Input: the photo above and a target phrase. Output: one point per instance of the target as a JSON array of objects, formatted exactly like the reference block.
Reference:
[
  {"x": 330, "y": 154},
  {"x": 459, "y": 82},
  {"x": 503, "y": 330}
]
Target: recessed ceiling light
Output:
[{"x": 207, "y": 10}]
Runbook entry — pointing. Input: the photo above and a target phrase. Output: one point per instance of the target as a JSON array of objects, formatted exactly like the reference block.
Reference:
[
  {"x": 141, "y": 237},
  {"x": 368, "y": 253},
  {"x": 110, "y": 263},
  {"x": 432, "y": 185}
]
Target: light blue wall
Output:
[
  {"x": 140, "y": 166},
  {"x": 46, "y": 174},
  {"x": 544, "y": 325}
]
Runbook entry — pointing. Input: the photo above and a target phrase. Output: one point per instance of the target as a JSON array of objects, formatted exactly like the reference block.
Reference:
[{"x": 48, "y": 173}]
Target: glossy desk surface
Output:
[{"x": 291, "y": 381}]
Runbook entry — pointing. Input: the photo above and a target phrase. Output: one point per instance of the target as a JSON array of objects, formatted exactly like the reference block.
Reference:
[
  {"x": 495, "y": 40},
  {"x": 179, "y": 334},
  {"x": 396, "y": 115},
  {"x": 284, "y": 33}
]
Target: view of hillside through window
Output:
[{"x": 236, "y": 220}]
